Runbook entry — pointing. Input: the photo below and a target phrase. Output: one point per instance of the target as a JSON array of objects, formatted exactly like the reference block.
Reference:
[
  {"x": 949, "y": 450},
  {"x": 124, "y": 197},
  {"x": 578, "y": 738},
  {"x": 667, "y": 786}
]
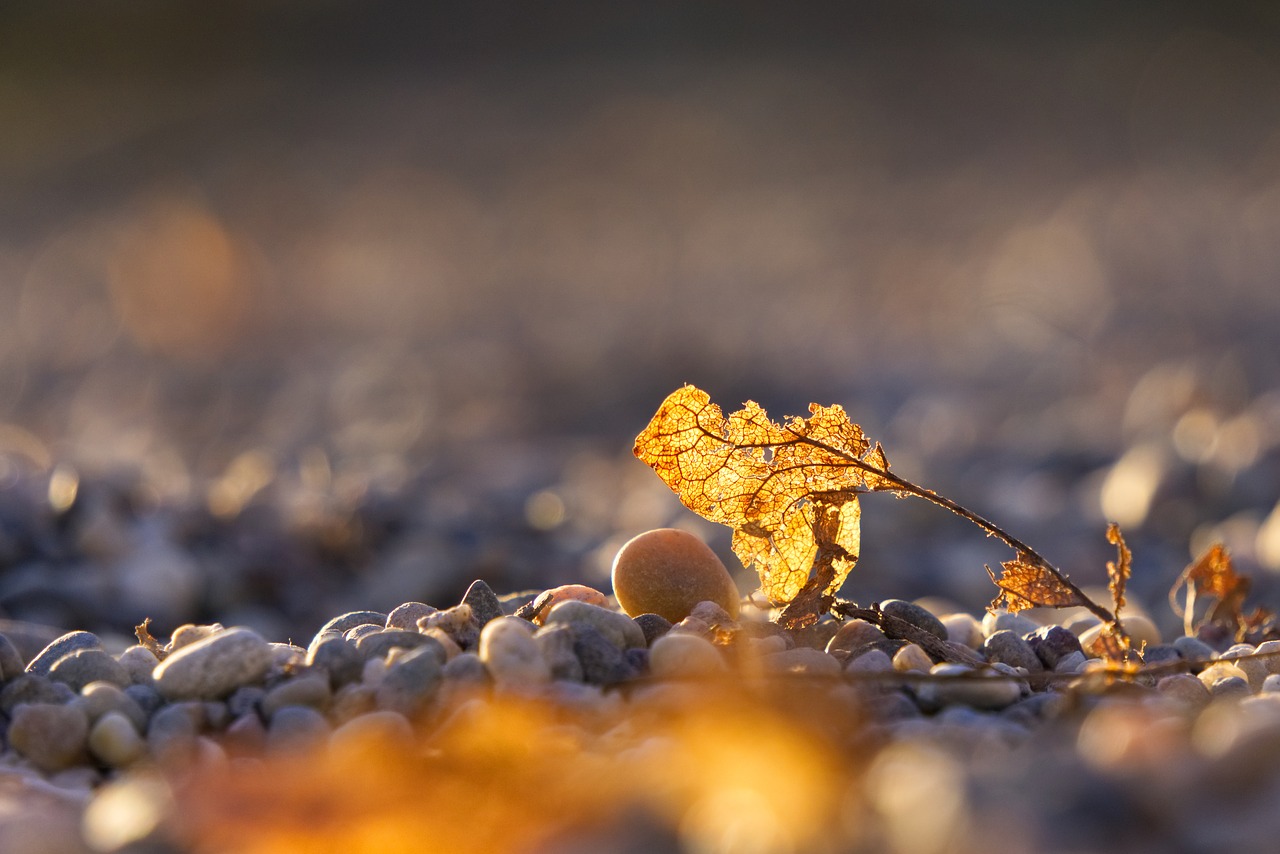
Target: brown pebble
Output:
[{"x": 668, "y": 572}]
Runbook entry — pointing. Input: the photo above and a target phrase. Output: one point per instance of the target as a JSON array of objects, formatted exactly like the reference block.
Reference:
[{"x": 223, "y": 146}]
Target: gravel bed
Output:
[{"x": 579, "y": 727}]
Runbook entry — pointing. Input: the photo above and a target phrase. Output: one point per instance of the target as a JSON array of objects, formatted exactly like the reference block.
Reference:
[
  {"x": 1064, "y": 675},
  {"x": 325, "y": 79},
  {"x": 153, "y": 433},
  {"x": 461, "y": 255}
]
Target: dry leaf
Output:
[
  {"x": 1026, "y": 583},
  {"x": 789, "y": 491},
  {"x": 1213, "y": 576},
  {"x": 1119, "y": 569}
]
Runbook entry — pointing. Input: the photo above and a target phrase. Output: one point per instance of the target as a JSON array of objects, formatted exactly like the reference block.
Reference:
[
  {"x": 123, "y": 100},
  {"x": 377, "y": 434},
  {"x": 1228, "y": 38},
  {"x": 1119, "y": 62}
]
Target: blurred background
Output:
[{"x": 314, "y": 306}]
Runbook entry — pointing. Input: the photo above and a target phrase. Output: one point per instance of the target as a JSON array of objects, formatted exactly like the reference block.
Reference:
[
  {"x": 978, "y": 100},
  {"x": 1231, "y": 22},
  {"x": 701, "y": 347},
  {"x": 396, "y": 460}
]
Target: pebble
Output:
[
  {"x": 344, "y": 623},
  {"x": 964, "y": 629},
  {"x": 245, "y": 736},
  {"x": 1161, "y": 653},
  {"x": 1195, "y": 651},
  {"x": 1141, "y": 630},
  {"x": 52, "y": 736},
  {"x": 351, "y": 701},
  {"x": 912, "y": 659},
  {"x": 917, "y": 616},
  {"x": 803, "y": 660},
  {"x": 854, "y": 635},
  {"x": 114, "y": 740},
  {"x": 668, "y": 571},
  {"x": 1009, "y": 648},
  {"x": 684, "y": 656},
  {"x": 1255, "y": 669},
  {"x": 447, "y": 644},
  {"x": 483, "y": 601},
  {"x": 79, "y": 668},
  {"x": 65, "y": 645},
  {"x": 654, "y": 626},
  {"x": 337, "y": 657},
  {"x": 1185, "y": 689},
  {"x": 1222, "y": 670},
  {"x": 1001, "y": 620},
  {"x": 356, "y": 634},
  {"x": 411, "y": 681},
  {"x": 30, "y": 688},
  {"x": 457, "y": 622},
  {"x": 467, "y": 668},
  {"x": 603, "y": 662},
  {"x": 871, "y": 661},
  {"x": 983, "y": 692},
  {"x": 295, "y": 729},
  {"x": 406, "y": 615},
  {"x": 140, "y": 663},
  {"x": 1230, "y": 686},
  {"x": 146, "y": 696},
  {"x": 620, "y": 629},
  {"x": 187, "y": 634},
  {"x": 1270, "y": 655},
  {"x": 548, "y": 599},
  {"x": 101, "y": 698},
  {"x": 556, "y": 644},
  {"x": 215, "y": 666},
  {"x": 1053, "y": 643},
  {"x": 247, "y": 699},
  {"x": 1271, "y": 684},
  {"x": 10, "y": 660},
  {"x": 1070, "y": 663},
  {"x": 511, "y": 655},
  {"x": 311, "y": 690},
  {"x": 378, "y": 644}
]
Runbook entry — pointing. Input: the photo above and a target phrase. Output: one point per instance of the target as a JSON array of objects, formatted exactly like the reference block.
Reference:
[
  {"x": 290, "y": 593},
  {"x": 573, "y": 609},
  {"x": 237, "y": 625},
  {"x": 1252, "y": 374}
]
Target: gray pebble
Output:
[
  {"x": 115, "y": 741},
  {"x": 870, "y": 661},
  {"x": 556, "y": 644},
  {"x": 1230, "y": 686},
  {"x": 1161, "y": 653},
  {"x": 10, "y": 660},
  {"x": 363, "y": 630},
  {"x": 617, "y": 627},
  {"x": 410, "y": 682},
  {"x": 216, "y": 714},
  {"x": 146, "y": 696},
  {"x": 310, "y": 690},
  {"x": 337, "y": 657},
  {"x": 1071, "y": 663},
  {"x": 214, "y": 667},
  {"x": 406, "y": 616},
  {"x": 79, "y": 668},
  {"x": 296, "y": 728},
  {"x": 65, "y": 645},
  {"x": 140, "y": 663},
  {"x": 1052, "y": 643},
  {"x": 963, "y": 629},
  {"x": 603, "y": 662},
  {"x": 483, "y": 601},
  {"x": 915, "y": 615},
  {"x": 963, "y": 688},
  {"x": 377, "y": 645},
  {"x": 51, "y": 736},
  {"x": 101, "y": 698},
  {"x": 348, "y": 621},
  {"x": 1271, "y": 684},
  {"x": 654, "y": 626},
  {"x": 30, "y": 688},
  {"x": 457, "y": 622},
  {"x": 1185, "y": 689},
  {"x": 247, "y": 699},
  {"x": 855, "y": 636},
  {"x": 1006, "y": 647},
  {"x": 1195, "y": 651},
  {"x": 1000, "y": 620},
  {"x": 174, "y": 724},
  {"x": 350, "y": 701},
  {"x": 466, "y": 668},
  {"x": 802, "y": 660}
]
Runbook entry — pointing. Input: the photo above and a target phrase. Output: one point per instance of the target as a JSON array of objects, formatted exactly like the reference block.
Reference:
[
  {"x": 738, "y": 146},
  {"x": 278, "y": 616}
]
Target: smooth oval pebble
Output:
[
  {"x": 51, "y": 736},
  {"x": 684, "y": 656},
  {"x": 215, "y": 666},
  {"x": 548, "y": 599},
  {"x": 999, "y": 619},
  {"x": 803, "y": 660},
  {"x": 65, "y": 645},
  {"x": 510, "y": 653},
  {"x": 115, "y": 741},
  {"x": 620, "y": 629},
  {"x": 917, "y": 616},
  {"x": 1007, "y": 647},
  {"x": 668, "y": 571},
  {"x": 410, "y": 682},
  {"x": 912, "y": 659},
  {"x": 79, "y": 668}
]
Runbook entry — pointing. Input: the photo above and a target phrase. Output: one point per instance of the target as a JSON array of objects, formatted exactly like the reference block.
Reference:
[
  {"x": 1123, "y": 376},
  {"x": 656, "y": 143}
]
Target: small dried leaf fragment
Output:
[
  {"x": 1213, "y": 575},
  {"x": 1119, "y": 569},
  {"x": 142, "y": 632},
  {"x": 1026, "y": 583},
  {"x": 789, "y": 491}
]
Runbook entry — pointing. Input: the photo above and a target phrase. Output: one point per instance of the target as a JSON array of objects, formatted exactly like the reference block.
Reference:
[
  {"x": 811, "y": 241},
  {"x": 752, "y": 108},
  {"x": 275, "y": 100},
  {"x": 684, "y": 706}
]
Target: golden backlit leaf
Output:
[
  {"x": 1119, "y": 569},
  {"x": 1025, "y": 583},
  {"x": 1213, "y": 576},
  {"x": 788, "y": 490}
]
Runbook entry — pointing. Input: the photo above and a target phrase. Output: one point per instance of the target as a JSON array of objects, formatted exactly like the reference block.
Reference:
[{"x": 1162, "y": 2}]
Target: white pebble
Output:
[
  {"x": 680, "y": 656},
  {"x": 510, "y": 653}
]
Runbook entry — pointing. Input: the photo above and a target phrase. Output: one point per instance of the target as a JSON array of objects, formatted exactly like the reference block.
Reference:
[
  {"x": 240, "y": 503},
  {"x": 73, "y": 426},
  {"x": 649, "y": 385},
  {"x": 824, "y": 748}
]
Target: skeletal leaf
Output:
[
  {"x": 1119, "y": 569},
  {"x": 1026, "y": 583},
  {"x": 789, "y": 491},
  {"x": 1213, "y": 576}
]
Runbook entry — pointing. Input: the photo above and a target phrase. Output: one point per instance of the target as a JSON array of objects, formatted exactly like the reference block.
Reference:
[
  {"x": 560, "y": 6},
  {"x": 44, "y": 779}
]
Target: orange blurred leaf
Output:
[{"x": 1119, "y": 569}]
